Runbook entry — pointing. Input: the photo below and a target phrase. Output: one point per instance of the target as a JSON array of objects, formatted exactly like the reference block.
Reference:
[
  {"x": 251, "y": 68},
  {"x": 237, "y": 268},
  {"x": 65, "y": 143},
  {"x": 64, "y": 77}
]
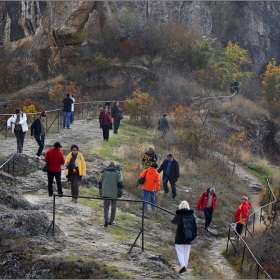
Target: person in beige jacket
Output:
[{"x": 18, "y": 122}]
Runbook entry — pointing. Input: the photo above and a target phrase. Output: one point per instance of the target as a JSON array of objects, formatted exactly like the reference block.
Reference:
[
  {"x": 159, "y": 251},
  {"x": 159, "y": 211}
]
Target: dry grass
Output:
[
  {"x": 246, "y": 156},
  {"x": 244, "y": 108}
]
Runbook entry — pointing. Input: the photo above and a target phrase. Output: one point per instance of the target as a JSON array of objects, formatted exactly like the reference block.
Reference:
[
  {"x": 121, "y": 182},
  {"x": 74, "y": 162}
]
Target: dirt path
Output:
[{"x": 80, "y": 234}]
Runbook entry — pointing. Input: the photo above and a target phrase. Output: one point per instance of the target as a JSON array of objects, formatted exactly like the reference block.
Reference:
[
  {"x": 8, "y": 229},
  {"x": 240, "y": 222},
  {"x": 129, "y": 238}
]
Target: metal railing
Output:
[
  {"x": 6, "y": 165},
  {"x": 55, "y": 117},
  {"x": 52, "y": 225},
  {"x": 232, "y": 228}
]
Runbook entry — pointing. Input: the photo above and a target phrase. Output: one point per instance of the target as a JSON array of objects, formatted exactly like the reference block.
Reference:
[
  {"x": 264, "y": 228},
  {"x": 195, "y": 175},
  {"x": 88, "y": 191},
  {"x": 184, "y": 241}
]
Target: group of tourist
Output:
[
  {"x": 111, "y": 180},
  {"x": 185, "y": 218}
]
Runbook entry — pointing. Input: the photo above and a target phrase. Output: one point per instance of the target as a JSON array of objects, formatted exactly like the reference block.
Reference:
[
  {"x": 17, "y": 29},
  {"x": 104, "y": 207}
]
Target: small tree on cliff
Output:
[
  {"x": 271, "y": 83},
  {"x": 141, "y": 107}
]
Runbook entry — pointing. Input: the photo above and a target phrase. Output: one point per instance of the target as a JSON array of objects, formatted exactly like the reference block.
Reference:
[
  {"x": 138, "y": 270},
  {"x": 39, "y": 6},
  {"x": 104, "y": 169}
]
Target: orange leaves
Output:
[
  {"x": 271, "y": 83},
  {"x": 141, "y": 107}
]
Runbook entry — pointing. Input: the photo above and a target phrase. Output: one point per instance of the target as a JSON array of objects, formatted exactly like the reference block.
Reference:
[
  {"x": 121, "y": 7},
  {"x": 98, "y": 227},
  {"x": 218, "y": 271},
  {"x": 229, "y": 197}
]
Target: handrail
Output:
[
  {"x": 232, "y": 227},
  {"x": 52, "y": 225},
  {"x": 7, "y": 160}
]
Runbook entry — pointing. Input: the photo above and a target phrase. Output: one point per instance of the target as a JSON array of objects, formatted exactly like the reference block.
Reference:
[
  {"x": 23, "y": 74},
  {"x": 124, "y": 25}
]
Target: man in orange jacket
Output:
[
  {"x": 208, "y": 203},
  {"x": 151, "y": 185}
]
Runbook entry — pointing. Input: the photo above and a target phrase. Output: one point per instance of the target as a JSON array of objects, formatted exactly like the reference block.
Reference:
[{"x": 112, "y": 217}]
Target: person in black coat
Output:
[
  {"x": 182, "y": 243},
  {"x": 38, "y": 132},
  {"x": 170, "y": 167}
]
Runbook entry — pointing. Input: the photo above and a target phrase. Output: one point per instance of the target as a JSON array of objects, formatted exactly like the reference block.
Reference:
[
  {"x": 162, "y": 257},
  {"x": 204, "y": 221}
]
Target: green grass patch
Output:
[{"x": 127, "y": 131}]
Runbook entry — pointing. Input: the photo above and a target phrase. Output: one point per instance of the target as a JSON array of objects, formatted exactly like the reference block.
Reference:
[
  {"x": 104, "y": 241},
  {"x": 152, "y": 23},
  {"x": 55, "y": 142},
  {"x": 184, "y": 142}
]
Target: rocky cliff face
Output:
[{"x": 253, "y": 25}]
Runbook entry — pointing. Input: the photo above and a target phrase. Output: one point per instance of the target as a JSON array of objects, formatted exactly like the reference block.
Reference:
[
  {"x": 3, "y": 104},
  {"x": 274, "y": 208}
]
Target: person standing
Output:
[
  {"x": 207, "y": 202},
  {"x": 75, "y": 170},
  {"x": 67, "y": 101},
  {"x": 151, "y": 185},
  {"x": 38, "y": 132},
  {"x": 171, "y": 173},
  {"x": 117, "y": 116},
  {"x": 110, "y": 186},
  {"x": 150, "y": 157},
  {"x": 54, "y": 157},
  {"x": 18, "y": 122},
  {"x": 72, "y": 109},
  {"x": 242, "y": 214},
  {"x": 163, "y": 125},
  {"x": 105, "y": 120},
  {"x": 236, "y": 86},
  {"x": 185, "y": 234}
]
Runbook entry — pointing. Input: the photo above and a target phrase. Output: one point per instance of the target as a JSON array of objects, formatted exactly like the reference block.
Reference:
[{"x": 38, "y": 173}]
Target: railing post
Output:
[
  {"x": 254, "y": 222},
  {"x": 6, "y": 131},
  {"x": 53, "y": 211},
  {"x": 143, "y": 226},
  {"x": 13, "y": 166},
  {"x": 58, "y": 114}
]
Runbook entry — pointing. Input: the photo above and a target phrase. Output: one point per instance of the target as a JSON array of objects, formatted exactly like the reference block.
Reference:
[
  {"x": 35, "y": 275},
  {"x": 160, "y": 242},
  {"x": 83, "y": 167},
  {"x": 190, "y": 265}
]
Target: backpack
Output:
[{"x": 189, "y": 227}]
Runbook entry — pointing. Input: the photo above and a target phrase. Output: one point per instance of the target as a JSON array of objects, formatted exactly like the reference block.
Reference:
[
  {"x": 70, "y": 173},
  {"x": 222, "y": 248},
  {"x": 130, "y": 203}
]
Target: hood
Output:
[
  {"x": 152, "y": 170},
  {"x": 184, "y": 212},
  {"x": 248, "y": 204}
]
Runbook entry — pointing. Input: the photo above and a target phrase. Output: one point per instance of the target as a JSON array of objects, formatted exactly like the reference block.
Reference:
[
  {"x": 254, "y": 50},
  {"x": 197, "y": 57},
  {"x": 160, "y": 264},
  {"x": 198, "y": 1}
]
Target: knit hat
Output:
[
  {"x": 57, "y": 145},
  {"x": 112, "y": 164},
  {"x": 154, "y": 165}
]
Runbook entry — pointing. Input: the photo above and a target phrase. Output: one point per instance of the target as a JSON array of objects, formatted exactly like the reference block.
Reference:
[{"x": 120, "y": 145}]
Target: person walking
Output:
[
  {"x": 38, "y": 132},
  {"x": 207, "y": 202},
  {"x": 72, "y": 109},
  {"x": 117, "y": 116},
  {"x": 54, "y": 158},
  {"x": 151, "y": 185},
  {"x": 163, "y": 125},
  {"x": 242, "y": 214},
  {"x": 110, "y": 186},
  {"x": 67, "y": 101},
  {"x": 105, "y": 120},
  {"x": 75, "y": 170},
  {"x": 18, "y": 122},
  {"x": 171, "y": 173},
  {"x": 150, "y": 157},
  {"x": 186, "y": 222}
]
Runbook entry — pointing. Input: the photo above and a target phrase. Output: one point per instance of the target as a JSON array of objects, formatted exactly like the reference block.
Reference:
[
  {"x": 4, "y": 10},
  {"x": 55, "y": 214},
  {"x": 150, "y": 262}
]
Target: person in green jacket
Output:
[
  {"x": 163, "y": 125},
  {"x": 110, "y": 186}
]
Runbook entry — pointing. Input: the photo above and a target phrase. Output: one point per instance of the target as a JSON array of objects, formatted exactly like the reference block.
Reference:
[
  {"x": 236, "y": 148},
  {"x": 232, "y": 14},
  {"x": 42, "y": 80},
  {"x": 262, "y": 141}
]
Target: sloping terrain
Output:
[{"x": 79, "y": 233}]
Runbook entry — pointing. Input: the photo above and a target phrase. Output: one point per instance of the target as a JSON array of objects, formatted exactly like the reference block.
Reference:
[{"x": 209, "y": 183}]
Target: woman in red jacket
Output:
[
  {"x": 242, "y": 214},
  {"x": 151, "y": 185},
  {"x": 208, "y": 203},
  {"x": 54, "y": 157}
]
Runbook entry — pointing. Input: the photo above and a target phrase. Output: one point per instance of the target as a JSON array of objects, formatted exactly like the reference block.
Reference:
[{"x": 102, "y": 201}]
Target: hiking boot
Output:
[
  {"x": 183, "y": 269},
  {"x": 112, "y": 223},
  {"x": 106, "y": 224}
]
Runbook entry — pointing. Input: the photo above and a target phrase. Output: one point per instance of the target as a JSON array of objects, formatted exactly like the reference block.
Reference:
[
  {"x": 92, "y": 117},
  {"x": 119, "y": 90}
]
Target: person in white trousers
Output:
[{"x": 186, "y": 222}]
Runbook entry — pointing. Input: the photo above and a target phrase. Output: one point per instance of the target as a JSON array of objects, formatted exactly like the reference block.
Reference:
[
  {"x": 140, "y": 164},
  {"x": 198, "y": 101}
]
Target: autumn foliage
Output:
[
  {"x": 271, "y": 83},
  {"x": 141, "y": 107}
]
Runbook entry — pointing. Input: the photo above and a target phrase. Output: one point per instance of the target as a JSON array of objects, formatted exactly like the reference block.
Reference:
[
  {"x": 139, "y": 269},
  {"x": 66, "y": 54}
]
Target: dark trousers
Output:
[
  {"x": 57, "y": 176},
  {"x": 41, "y": 142},
  {"x": 74, "y": 185},
  {"x": 116, "y": 126},
  {"x": 20, "y": 139},
  {"x": 173, "y": 186},
  {"x": 208, "y": 212},
  {"x": 239, "y": 228},
  {"x": 107, "y": 203},
  {"x": 105, "y": 129}
]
